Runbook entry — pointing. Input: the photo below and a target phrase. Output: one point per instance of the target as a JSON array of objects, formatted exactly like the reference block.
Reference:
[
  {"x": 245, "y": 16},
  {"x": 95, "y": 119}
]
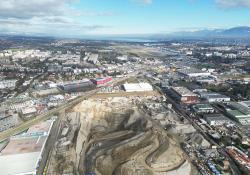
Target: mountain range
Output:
[
  {"x": 235, "y": 32},
  {"x": 242, "y": 32}
]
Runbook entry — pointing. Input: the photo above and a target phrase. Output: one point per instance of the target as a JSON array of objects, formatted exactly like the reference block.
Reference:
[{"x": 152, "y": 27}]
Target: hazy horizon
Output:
[{"x": 77, "y": 18}]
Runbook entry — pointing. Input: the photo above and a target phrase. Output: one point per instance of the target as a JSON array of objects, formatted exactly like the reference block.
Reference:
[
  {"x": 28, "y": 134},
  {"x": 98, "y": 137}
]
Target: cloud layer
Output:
[
  {"x": 145, "y": 2},
  {"x": 45, "y": 17},
  {"x": 233, "y": 3},
  {"x": 58, "y": 17},
  {"x": 31, "y": 8}
]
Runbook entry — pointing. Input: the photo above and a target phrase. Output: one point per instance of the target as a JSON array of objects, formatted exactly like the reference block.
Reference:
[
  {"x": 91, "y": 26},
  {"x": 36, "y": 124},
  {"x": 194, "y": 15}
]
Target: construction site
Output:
[{"x": 115, "y": 135}]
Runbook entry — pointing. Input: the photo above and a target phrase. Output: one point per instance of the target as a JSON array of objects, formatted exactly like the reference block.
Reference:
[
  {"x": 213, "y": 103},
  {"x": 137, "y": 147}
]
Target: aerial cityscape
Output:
[{"x": 124, "y": 87}]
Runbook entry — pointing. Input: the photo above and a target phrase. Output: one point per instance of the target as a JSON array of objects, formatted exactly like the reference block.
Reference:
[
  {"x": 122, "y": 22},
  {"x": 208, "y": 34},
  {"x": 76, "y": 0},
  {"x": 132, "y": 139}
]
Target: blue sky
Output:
[{"x": 99, "y": 17}]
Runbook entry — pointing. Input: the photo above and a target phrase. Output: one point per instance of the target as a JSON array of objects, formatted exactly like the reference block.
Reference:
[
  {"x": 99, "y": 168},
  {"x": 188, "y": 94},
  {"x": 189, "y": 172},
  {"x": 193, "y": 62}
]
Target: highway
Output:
[{"x": 24, "y": 126}]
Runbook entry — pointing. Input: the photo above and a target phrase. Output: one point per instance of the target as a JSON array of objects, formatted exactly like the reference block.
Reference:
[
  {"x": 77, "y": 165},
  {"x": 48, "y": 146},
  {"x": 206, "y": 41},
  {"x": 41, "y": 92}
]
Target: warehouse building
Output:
[
  {"x": 77, "y": 86},
  {"x": 101, "y": 81},
  {"x": 165, "y": 83},
  {"x": 7, "y": 84},
  {"x": 216, "y": 119},
  {"x": 246, "y": 103},
  {"x": 238, "y": 112},
  {"x": 203, "y": 108},
  {"x": 206, "y": 79},
  {"x": 183, "y": 95},
  {"x": 28, "y": 111},
  {"x": 192, "y": 72},
  {"x": 137, "y": 87},
  {"x": 213, "y": 97},
  {"x": 24, "y": 152}
]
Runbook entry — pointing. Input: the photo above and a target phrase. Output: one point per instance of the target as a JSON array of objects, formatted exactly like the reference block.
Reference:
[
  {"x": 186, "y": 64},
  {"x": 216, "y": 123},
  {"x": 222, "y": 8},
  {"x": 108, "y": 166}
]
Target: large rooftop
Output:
[
  {"x": 183, "y": 91},
  {"x": 138, "y": 87},
  {"x": 246, "y": 103},
  {"x": 209, "y": 95},
  {"x": 24, "y": 145},
  {"x": 42, "y": 127},
  {"x": 216, "y": 117},
  {"x": 241, "y": 108},
  {"x": 192, "y": 71},
  {"x": 203, "y": 106},
  {"x": 19, "y": 163},
  {"x": 23, "y": 152}
]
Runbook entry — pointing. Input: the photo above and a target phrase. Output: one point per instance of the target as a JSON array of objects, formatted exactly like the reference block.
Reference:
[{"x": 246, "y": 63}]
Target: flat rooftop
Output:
[
  {"x": 23, "y": 152},
  {"x": 237, "y": 114},
  {"x": 191, "y": 71},
  {"x": 75, "y": 82},
  {"x": 203, "y": 106},
  {"x": 101, "y": 78},
  {"x": 183, "y": 91},
  {"x": 42, "y": 127},
  {"x": 212, "y": 95},
  {"x": 133, "y": 86},
  {"x": 19, "y": 163},
  {"x": 216, "y": 117},
  {"x": 246, "y": 103},
  {"x": 24, "y": 145}
]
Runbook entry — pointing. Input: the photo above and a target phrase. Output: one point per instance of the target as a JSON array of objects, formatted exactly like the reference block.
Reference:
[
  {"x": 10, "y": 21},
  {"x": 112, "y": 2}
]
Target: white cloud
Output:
[
  {"x": 52, "y": 17},
  {"x": 233, "y": 3},
  {"x": 58, "y": 26},
  {"x": 145, "y": 2},
  {"x": 31, "y": 8}
]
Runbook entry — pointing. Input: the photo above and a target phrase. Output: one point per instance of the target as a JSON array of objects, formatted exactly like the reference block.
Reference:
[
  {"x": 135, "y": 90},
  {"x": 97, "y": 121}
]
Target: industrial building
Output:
[
  {"x": 165, "y": 83},
  {"x": 137, "y": 87},
  {"x": 212, "y": 97},
  {"x": 216, "y": 119},
  {"x": 246, "y": 103},
  {"x": 53, "y": 68},
  {"x": 101, "y": 81},
  {"x": 206, "y": 79},
  {"x": 7, "y": 84},
  {"x": 238, "y": 112},
  {"x": 77, "y": 86},
  {"x": 203, "y": 108},
  {"x": 23, "y": 153},
  {"x": 192, "y": 72},
  {"x": 28, "y": 111},
  {"x": 8, "y": 120},
  {"x": 183, "y": 95},
  {"x": 93, "y": 58}
]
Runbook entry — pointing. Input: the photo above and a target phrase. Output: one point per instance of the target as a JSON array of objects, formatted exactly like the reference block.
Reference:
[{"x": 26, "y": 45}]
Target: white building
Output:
[
  {"x": 23, "y": 153},
  {"x": 21, "y": 105},
  {"x": 212, "y": 97},
  {"x": 123, "y": 58},
  {"x": 6, "y": 84},
  {"x": 92, "y": 58},
  {"x": 28, "y": 111},
  {"x": 137, "y": 87},
  {"x": 246, "y": 104},
  {"x": 191, "y": 73}
]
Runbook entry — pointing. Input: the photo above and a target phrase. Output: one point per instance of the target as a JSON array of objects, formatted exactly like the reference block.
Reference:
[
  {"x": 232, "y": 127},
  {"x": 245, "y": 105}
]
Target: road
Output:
[{"x": 24, "y": 126}]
